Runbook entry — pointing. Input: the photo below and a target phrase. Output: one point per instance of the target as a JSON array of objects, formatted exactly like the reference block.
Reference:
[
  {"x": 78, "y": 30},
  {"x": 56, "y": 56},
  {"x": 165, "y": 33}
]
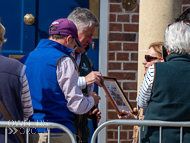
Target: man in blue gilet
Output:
[{"x": 52, "y": 77}]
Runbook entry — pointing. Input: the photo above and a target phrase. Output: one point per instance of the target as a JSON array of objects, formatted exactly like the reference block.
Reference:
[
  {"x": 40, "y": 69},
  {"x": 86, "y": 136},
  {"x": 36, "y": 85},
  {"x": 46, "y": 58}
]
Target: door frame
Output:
[{"x": 103, "y": 58}]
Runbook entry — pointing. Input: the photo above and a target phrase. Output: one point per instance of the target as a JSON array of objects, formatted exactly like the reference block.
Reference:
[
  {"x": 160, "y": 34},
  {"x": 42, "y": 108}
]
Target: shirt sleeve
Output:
[
  {"x": 67, "y": 78},
  {"x": 146, "y": 88},
  {"x": 26, "y": 99}
]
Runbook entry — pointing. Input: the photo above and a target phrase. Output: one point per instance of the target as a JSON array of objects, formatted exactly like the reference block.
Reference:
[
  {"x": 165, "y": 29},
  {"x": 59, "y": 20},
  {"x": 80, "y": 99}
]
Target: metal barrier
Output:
[
  {"x": 27, "y": 125},
  {"x": 141, "y": 123}
]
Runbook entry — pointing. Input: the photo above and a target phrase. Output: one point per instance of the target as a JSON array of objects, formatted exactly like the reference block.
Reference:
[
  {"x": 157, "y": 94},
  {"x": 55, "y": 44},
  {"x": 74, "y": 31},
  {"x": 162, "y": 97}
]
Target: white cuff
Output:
[{"x": 81, "y": 82}]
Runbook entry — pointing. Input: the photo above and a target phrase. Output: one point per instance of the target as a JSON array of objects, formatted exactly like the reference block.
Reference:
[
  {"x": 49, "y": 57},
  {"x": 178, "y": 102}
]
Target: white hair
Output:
[
  {"x": 83, "y": 18},
  {"x": 177, "y": 38}
]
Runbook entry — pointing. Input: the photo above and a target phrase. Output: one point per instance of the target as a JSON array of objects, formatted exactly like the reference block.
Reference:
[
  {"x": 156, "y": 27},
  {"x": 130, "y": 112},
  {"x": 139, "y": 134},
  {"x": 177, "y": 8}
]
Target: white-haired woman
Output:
[{"x": 165, "y": 94}]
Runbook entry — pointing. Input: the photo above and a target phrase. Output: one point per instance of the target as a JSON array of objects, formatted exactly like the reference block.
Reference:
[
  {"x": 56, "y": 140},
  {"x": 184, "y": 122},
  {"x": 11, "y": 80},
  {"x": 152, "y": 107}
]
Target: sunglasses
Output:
[{"x": 150, "y": 58}]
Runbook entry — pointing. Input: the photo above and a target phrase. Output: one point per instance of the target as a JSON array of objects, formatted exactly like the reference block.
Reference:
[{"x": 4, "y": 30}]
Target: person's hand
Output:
[
  {"x": 141, "y": 117},
  {"x": 96, "y": 97},
  {"x": 97, "y": 112},
  {"x": 135, "y": 111},
  {"x": 127, "y": 115},
  {"x": 94, "y": 77}
]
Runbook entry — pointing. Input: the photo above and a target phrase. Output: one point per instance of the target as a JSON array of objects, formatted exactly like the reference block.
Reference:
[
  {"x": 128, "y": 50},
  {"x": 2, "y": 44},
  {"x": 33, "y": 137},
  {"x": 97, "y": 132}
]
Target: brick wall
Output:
[{"x": 123, "y": 59}]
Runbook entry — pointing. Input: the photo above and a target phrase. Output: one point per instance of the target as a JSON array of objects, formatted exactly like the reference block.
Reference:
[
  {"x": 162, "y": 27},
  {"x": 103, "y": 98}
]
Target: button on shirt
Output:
[{"x": 67, "y": 78}]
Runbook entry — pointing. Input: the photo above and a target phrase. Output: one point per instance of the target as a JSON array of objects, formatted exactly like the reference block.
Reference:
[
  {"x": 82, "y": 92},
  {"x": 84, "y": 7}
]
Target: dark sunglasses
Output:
[{"x": 150, "y": 58}]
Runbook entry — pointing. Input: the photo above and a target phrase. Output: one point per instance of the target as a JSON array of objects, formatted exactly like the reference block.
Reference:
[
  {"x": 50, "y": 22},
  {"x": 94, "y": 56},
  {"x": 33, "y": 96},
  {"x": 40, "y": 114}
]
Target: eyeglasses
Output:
[{"x": 150, "y": 58}]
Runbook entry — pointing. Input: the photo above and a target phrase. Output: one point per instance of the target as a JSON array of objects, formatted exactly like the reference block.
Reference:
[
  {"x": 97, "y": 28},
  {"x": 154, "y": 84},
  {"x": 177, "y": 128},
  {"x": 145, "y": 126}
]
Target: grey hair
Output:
[
  {"x": 83, "y": 18},
  {"x": 177, "y": 38}
]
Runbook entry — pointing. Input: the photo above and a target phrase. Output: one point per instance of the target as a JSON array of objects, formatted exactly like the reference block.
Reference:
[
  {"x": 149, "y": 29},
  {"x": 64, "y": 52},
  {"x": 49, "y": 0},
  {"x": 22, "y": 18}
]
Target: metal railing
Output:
[
  {"x": 28, "y": 125},
  {"x": 142, "y": 123}
]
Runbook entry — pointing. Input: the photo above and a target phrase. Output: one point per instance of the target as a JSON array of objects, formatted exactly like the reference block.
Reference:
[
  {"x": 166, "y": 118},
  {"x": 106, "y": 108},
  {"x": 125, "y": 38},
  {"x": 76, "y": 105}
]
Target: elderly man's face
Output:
[{"x": 85, "y": 38}]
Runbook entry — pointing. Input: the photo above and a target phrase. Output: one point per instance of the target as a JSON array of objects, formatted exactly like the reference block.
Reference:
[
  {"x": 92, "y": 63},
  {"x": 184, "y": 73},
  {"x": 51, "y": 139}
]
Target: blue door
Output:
[{"x": 23, "y": 38}]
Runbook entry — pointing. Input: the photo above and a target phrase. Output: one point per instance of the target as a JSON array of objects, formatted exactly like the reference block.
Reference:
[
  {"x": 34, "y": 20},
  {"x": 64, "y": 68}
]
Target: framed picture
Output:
[{"x": 116, "y": 95}]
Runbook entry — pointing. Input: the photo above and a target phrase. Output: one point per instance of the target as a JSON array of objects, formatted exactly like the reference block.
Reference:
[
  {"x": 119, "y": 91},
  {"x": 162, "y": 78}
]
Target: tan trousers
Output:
[{"x": 54, "y": 138}]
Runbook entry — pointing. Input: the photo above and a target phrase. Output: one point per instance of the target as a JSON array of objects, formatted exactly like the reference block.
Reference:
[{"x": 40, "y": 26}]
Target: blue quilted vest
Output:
[{"x": 48, "y": 100}]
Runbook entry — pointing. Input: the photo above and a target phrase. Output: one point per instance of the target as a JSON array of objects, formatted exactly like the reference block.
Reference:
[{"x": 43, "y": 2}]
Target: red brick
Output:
[
  {"x": 135, "y": 18},
  {"x": 110, "y": 134},
  {"x": 131, "y": 27},
  {"x": 133, "y": 104},
  {"x": 185, "y": 7},
  {"x": 125, "y": 127},
  {"x": 130, "y": 46},
  {"x": 132, "y": 95},
  {"x": 123, "y": 135},
  {"x": 114, "y": 46},
  {"x": 130, "y": 134},
  {"x": 134, "y": 56},
  {"x": 126, "y": 141},
  {"x": 126, "y": 94},
  {"x": 115, "y": 8},
  {"x": 114, "y": 66},
  {"x": 112, "y": 18},
  {"x": 122, "y": 75},
  {"x": 185, "y": 2},
  {"x": 123, "y": 18},
  {"x": 122, "y": 37},
  {"x": 130, "y": 66},
  {"x": 112, "y": 115},
  {"x": 130, "y": 86},
  {"x": 115, "y": 27},
  {"x": 112, "y": 142},
  {"x": 115, "y": 1},
  {"x": 111, "y": 56},
  {"x": 112, "y": 127},
  {"x": 123, "y": 56},
  {"x": 119, "y": 83}
]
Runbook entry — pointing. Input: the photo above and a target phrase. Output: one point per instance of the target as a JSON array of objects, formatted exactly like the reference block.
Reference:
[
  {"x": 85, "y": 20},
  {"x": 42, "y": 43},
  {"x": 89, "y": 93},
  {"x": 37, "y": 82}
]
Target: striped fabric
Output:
[
  {"x": 68, "y": 79},
  {"x": 26, "y": 99},
  {"x": 146, "y": 88}
]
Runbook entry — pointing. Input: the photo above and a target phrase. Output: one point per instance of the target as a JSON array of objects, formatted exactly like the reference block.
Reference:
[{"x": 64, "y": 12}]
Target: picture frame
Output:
[{"x": 116, "y": 95}]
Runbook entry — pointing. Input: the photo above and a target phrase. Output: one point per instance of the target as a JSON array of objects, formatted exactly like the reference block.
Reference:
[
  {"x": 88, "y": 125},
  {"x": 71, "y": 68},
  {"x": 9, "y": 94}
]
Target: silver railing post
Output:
[
  {"x": 6, "y": 135},
  {"x": 119, "y": 127},
  {"x": 181, "y": 134}
]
